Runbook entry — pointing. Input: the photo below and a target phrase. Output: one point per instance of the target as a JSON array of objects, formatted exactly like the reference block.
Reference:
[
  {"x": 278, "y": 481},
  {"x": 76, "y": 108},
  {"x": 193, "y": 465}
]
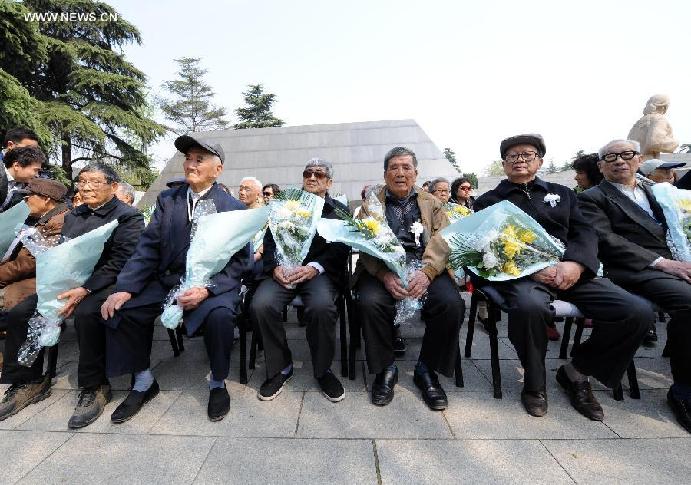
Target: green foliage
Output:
[
  {"x": 257, "y": 113},
  {"x": 190, "y": 107},
  {"x": 451, "y": 157},
  {"x": 472, "y": 178},
  {"x": 551, "y": 167},
  {"x": 495, "y": 169},
  {"x": 70, "y": 82}
]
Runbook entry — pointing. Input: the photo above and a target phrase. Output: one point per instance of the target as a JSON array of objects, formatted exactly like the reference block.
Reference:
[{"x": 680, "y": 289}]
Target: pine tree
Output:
[
  {"x": 257, "y": 112},
  {"x": 451, "y": 157},
  {"x": 496, "y": 168},
  {"x": 190, "y": 109},
  {"x": 73, "y": 85},
  {"x": 472, "y": 178}
]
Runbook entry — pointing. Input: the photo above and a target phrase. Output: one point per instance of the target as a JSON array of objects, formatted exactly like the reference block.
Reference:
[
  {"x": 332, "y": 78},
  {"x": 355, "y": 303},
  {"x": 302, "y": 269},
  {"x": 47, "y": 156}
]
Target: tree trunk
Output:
[{"x": 67, "y": 155}]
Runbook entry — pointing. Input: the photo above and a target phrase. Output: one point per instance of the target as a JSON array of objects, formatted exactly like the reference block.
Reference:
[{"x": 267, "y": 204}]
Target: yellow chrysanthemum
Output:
[
  {"x": 511, "y": 248},
  {"x": 526, "y": 235},
  {"x": 510, "y": 232},
  {"x": 292, "y": 205},
  {"x": 462, "y": 210},
  {"x": 372, "y": 225},
  {"x": 511, "y": 268},
  {"x": 304, "y": 213},
  {"x": 684, "y": 204}
]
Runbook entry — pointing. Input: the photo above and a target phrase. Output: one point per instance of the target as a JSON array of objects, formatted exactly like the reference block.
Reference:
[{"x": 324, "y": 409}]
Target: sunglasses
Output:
[
  {"x": 318, "y": 175},
  {"x": 267, "y": 194}
]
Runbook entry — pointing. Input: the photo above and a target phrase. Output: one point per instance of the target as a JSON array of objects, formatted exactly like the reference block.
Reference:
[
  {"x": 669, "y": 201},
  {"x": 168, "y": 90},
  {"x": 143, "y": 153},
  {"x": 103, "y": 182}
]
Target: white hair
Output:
[
  {"x": 634, "y": 144},
  {"x": 254, "y": 180}
]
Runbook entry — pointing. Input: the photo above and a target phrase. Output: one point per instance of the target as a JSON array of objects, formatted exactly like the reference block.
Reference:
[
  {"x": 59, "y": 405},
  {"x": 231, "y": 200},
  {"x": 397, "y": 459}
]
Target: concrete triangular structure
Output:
[{"x": 278, "y": 155}]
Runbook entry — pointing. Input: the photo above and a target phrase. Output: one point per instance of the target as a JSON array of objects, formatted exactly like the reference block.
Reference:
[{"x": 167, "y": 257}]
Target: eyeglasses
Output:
[
  {"x": 465, "y": 188},
  {"x": 317, "y": 174},
  {"x": 625, "y": 155},
  {"x": 94, "y": 184},
  {"x": 527, "y": 156}
]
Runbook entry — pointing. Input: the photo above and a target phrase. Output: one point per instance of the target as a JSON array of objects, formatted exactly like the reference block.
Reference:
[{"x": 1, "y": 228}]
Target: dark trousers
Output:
[
  {"x": 129, "y": 345},
  {"x": 319, "y": 297},
  {"x": 673, "y": 295},
  {"x": 620, "y": 321},
  {"x": 442, "y": 313},
  {"x": 90, "y": 337}
]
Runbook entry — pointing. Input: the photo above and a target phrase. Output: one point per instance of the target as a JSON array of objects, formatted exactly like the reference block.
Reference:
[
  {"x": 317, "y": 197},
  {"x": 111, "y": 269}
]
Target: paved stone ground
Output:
[{"x": 302, "y": 438}]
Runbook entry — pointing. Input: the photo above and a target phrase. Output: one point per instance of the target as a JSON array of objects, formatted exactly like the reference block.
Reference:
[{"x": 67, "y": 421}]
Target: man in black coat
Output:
[
  {"x": 12, "y": 176},
  {"x": 318, "y": 282},
  {"x": 619, "y": 318},
  {"x": 632, "y": 232},
  {"x": 97, "y": 183},
  {"x": 157, "y": 267}
]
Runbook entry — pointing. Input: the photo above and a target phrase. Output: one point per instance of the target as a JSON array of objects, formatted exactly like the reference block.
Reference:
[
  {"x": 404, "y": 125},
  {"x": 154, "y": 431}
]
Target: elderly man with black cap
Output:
[
  {"x": 157, "y": 267},
  {"x": 318, "y": 282},
  {"x": 97, "y": 182},
  {"x": 620, "y": 319},
  {"x": 632, "y": 230},
  {"x": 660, "y": 171}
]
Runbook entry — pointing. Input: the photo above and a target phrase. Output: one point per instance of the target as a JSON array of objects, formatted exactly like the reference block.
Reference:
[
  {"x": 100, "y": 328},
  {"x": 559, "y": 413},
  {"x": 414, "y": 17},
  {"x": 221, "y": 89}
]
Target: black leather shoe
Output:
[
  {"x": 219, "y": 403},
  {"x": 133, "y": 403},
  {"x": 535, "y": 403},
  {"x": 432, "y": 392},
  {"x": 382, "y": 387},
  {"x": 682, "y": 410},
  {"x": 581, "y": 396}
]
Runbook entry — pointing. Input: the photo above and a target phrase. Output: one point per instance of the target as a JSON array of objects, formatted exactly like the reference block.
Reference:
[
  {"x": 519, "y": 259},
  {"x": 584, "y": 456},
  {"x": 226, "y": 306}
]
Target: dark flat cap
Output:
[
  {"x": 47, "y": 187},
  {"x": 528, "y": 139},
  {"x": 185, "y": 142}
]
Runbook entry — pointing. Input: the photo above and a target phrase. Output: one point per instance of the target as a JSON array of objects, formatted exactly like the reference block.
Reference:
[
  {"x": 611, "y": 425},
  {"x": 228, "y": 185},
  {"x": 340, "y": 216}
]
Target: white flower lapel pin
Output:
[
  {"x": 417, "y": 229},
  {"x": 552, "y": 199}
]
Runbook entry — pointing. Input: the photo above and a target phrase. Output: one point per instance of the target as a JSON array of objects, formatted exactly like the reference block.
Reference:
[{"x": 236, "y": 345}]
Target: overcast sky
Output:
[{"x": 470, "y": 73}]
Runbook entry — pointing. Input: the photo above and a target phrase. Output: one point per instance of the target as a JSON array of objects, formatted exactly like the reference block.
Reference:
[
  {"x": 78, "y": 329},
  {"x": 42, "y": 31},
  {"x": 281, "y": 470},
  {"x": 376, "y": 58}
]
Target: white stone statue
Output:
[{"x": 653, "y": 131}]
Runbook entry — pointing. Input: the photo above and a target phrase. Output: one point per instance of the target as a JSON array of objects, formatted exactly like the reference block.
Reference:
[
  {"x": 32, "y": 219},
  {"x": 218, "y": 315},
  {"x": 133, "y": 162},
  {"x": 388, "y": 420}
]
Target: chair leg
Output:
[
  {"x": 179, "y": 334},
  {"x": 459, "y": 370},
  {"x": 471, "y": 325},
  {"x": 173, "y": 342},
  {"x": 253, "y": 348},
  {"x": 344, "y": 337},
  {"x": 354, "y": 344},
  {"x": 494, "y": 350},
  {"x": 634, "y": 390},
  {"x": 580, "y": 324},
  {"x": 51, "y": 370},
  {"x": 566, "y": 338},
  {"x": 243, "y": 353},
  {"x": 618, "y": 392}
]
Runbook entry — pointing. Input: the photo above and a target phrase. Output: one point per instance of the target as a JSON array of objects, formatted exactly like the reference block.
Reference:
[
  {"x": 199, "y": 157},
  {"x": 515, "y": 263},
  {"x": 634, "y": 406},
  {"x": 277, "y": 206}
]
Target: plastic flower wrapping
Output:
[
  {"x": 293, "y": 217},
  {"x": 456, "y": 211},
  {"x": 11, "y": 221},
  {"x": 501, "y": 243},
  {"x": 217, "y": 237},
  {"x": 58, "y": 269},
  {"x": 676, "y": 206},
  {"x": 372, "y": 235}
]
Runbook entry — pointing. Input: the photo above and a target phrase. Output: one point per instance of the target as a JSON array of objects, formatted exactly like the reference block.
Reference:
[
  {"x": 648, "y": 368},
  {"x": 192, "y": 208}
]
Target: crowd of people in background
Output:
[{"x": 610, "y": 217}]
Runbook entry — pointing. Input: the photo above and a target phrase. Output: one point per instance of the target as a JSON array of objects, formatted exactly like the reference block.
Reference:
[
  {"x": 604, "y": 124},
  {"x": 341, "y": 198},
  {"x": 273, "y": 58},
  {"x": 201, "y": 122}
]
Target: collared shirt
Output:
[
  {"x": 637, "y": 195},
  {"x": 192, "y": 200},
  {"x": 12, "y": 186}
]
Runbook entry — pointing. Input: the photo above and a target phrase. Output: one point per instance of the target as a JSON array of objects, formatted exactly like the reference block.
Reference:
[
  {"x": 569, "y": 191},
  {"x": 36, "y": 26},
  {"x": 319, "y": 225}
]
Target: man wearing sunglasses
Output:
[
  {"x": 318, "y": 282},
  {"x": 632, "y": 232}
]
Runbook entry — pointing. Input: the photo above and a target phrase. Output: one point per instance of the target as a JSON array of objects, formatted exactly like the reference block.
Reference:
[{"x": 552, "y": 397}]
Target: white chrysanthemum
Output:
[
  {"x": 489, "y": 260},
  {"x": 483, "y": 243}
]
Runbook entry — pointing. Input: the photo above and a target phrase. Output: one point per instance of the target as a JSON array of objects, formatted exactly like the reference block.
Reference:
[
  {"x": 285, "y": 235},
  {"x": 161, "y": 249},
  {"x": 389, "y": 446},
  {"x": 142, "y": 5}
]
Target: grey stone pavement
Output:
[{"x": 303, "y": 438}]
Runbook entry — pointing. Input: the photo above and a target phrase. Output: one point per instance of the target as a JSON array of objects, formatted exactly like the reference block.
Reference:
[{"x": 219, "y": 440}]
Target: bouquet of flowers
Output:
[
  {"x": 11, "y": 221},
  {"x": 501, "y": 243},
  {"x": 372, "y": 235},
  {"x": 293, "y": 218},
  {"x": 456, "y": 211},
  {"x": 217, "y": 237},
  {"x": 58, "y": 269},
  {"x": 676, "y": 206}
]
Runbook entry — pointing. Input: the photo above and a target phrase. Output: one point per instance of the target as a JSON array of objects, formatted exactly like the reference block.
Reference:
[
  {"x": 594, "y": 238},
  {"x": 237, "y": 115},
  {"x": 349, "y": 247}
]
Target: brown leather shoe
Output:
[
  {"x": 535, "y": 402},
  {"x": 581, "y": 396}
]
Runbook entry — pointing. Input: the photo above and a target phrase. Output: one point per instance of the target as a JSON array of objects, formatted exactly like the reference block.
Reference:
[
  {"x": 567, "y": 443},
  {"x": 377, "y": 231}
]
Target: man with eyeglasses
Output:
[
  {"x": 318, "y": 282},
  {"x": 632, "y": 232},
  {"x": 97, "y": 182},
  {"x": 156, "y": 268},
  {"x": 619, "y": 319},
  {"x": 439, "y": 187}
]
